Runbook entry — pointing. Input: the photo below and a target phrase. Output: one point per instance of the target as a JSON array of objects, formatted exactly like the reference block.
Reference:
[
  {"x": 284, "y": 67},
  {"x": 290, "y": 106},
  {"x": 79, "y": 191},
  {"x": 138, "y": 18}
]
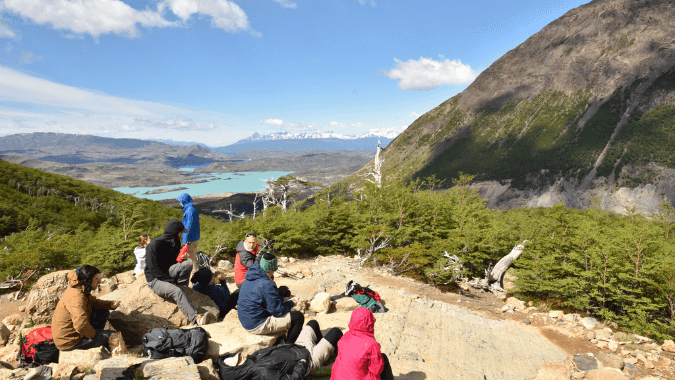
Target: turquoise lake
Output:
[{"x": 217, "y": 183}]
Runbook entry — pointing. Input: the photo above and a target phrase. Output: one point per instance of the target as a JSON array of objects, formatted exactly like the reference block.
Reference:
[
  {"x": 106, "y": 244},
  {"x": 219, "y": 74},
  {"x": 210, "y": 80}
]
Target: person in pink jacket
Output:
[{"x": 359, "y": 356}]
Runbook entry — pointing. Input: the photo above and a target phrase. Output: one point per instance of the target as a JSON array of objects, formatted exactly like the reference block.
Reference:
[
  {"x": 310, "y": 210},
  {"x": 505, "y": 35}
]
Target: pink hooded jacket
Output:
[{"x": 359, "y": 356}]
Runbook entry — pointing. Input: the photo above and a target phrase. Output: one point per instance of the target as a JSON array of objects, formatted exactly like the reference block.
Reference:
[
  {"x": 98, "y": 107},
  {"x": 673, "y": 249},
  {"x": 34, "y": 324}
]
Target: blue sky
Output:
[{"x": 215, "y": 71}]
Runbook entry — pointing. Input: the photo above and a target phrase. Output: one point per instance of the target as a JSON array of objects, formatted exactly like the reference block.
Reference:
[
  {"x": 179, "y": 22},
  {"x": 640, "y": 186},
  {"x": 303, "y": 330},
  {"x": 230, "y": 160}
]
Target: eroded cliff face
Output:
[{"x": 616, "y": 197}]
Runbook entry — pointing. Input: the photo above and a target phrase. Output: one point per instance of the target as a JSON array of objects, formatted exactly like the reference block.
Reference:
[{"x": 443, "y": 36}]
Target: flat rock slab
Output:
[
  {"x": 431, "y": 339},
  {"x": 229, "y": 337},
  {"x": 183, "y": 368}
]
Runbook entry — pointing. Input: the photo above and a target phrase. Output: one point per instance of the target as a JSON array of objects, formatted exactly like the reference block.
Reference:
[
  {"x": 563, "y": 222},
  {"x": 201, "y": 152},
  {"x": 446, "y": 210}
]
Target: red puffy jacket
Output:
[
  {"x": 359, "y": 356},
  {"x": 243, "y": 261}
]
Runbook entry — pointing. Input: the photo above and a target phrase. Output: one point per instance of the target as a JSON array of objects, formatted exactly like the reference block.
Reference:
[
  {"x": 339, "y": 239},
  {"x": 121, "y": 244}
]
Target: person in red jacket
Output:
[
  {"x": 247, "y": 255},
  {"x": 359, "y": 356}
]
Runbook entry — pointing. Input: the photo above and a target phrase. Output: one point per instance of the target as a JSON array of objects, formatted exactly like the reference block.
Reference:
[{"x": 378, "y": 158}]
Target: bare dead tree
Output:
[
  {"x": 399, "y": 267},
  {"x": 376, "y": 172},
  {"x": 231, "y": 213},
  {"x": 494, "y": 277},
  {"x": 255, "y": 204},
  {"x": 376, "y": 240}
]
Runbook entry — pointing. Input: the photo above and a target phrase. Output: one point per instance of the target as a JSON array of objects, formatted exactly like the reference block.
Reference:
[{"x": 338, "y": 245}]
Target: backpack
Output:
[
  {"x": 160, "y": 343},
  {"x": 204, "y": 260},
  {"x": 38, "y": 347}
]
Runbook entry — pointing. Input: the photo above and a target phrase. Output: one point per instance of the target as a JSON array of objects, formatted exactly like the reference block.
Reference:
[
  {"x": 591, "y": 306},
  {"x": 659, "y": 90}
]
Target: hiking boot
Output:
[{"x": 205, "y": 319}]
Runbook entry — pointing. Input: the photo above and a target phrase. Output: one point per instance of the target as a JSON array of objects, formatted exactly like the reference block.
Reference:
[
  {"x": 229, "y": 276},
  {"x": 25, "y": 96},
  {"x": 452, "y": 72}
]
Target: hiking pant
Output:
[
  {"x": 167, "y": 289},
  {"x": 387, "y": 373},
  {"x": 180, "y": 272},
  {"x": 97, "y": 319},
  {"x": 319, "y": 352},
  {"x": 192, "y": 255}
]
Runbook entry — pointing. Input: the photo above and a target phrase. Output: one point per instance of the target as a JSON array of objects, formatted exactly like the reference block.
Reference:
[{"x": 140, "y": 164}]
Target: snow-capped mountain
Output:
[
  {"x": 287, "y": 141},
  {"x": 315, "y": 135}
]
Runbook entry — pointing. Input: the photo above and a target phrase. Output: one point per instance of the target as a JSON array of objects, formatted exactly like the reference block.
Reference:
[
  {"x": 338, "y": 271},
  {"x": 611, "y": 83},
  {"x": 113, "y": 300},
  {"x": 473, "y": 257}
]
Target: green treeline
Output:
[
  {"x": 53, "y": 221},
  {"x": 618, "y": 267}
]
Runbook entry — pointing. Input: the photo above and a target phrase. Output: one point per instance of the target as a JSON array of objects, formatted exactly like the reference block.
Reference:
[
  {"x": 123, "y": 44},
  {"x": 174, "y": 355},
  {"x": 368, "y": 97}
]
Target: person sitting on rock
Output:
[
  {"x": 139, "y": 254},
  {"x": 165, "y": 276},
  {"x": 365, "y": 297},
  {"x": 247, "y": 254},
  {"x": 261, "y": 309},
  {"x": 359, "y": 356},
  {"x": 205, "y": 283},
  {"x": 79, "y": 318},
  {"x": 284, "y": 361}
]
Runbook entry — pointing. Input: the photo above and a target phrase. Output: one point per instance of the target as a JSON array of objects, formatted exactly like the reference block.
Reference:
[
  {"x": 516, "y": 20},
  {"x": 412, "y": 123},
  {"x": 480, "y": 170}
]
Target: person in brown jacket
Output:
[{"x": 79, "y": 317}]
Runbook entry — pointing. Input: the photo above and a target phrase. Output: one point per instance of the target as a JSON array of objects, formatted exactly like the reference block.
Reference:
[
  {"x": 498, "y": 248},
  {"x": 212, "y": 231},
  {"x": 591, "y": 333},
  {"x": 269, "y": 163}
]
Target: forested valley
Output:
[{"x": 620, "y": 267}]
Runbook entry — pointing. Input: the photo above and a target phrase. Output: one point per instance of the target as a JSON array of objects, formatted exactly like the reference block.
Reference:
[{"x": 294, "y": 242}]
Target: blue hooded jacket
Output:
[
  {"x": 220, "y": 294},
  {"x": 190, "y": 218},
  {"x": 259, "y": 299}
]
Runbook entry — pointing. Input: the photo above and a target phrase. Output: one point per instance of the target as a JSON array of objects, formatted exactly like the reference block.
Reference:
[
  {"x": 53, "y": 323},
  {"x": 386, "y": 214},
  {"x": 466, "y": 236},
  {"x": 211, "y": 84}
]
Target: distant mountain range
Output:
[{"x": 287, "y": 141}]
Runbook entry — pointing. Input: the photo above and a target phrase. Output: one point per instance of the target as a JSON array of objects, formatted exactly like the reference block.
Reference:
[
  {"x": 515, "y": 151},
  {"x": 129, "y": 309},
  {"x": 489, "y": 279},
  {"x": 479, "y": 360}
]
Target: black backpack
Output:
[{"x": 160, "y": 343}]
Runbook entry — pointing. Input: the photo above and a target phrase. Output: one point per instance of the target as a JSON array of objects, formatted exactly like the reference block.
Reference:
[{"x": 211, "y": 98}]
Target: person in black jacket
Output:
[
  {"x": 163, "y": 273},
  {"x": 284, "y": 361}
]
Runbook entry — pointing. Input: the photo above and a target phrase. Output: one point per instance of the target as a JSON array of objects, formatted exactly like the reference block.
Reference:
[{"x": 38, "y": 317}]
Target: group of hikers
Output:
[{"x": 263, "y": 308}]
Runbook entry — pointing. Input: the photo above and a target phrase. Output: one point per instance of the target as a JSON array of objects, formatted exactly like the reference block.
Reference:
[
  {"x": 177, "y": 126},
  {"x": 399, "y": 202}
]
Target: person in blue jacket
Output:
[
  {"x": 261, "y": 309},
  {"x": 191, "y": 223},
  {"x": 204, "y": 280}
]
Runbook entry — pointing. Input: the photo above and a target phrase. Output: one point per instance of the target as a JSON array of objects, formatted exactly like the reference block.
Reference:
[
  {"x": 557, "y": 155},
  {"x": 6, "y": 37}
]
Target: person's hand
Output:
[
  {"x": 115, "y": 305},
  {"x": 295, "y": 300},
  {"x": 221, "y": 276}
]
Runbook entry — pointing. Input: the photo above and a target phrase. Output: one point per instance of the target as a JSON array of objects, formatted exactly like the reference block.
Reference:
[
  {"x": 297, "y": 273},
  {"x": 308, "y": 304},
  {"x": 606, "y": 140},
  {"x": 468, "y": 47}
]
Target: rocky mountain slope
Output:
[{"x": 587, "y": 103}]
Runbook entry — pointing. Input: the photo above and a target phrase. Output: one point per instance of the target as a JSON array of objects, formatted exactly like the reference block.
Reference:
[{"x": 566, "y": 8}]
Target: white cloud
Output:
[
  {"x": 272, "y": 122},
  {"x": 224, "y": 14},
  {"x": 286, "y": 3},
  {"x": 99, "y": 17},
  {"x": 367, "y": 2},
  {"x": 28, "y": 57},
  {"x": 357, "y": 124},
  {"x": 426, "y": 73},
  {"x": 54, "y": 107},
  {"x": 5, "y": 31},
  {"x": 301, "y": 127},
  {"x": 415, "y": 115}
]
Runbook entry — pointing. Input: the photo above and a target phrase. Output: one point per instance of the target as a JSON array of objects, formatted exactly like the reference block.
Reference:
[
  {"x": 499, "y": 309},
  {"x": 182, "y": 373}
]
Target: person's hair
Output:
[
  {"x": 86, "y": 274},
  {"x": 269, "y": 256},
  {"x": 252, "y": 234},
  {"x": 143, "y": 240}
]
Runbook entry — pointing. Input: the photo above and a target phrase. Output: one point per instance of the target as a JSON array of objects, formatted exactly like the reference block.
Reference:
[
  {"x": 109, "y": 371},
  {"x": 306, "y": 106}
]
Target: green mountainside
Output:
[
  {"x": 590, "y": 96},
  {"x": 50, "y": 221}
]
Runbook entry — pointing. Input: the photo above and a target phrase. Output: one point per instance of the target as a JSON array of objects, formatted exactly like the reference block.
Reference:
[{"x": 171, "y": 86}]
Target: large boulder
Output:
[
  {"x": 320, "y": 303},
  {"x": 183, "y": 368},
  {"x": 44, "y": 296},
  {"x": 8, "y": 355},
  {"x": 605, "y": 374},
  {"x": 229, "y": 337},
  {"x": 141, "y": 310},
  {"x": 553, "y": 371},
  {"x": 4, "y": 334},
  {"x": 83, "y": 359}
]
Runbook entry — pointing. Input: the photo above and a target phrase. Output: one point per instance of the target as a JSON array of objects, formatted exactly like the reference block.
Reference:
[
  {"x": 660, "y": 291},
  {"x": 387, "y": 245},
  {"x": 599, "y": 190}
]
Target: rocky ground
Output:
[{"x": 427, "y": 333}]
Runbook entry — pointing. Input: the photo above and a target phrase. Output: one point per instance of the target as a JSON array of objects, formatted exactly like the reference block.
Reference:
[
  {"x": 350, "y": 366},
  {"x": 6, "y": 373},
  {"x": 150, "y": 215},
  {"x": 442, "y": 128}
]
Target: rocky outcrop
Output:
[
  {"x": 646, "y": 199},
  {"x": 44, "y": 296},
  {"x": 229, "y": 337},
  {"x": 141, "y": 310}
]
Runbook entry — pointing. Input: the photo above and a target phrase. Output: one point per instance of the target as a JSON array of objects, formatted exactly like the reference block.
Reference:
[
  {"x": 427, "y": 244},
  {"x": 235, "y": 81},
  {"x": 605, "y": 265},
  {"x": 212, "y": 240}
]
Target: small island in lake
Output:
[{"x": 162, "y": 191}]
